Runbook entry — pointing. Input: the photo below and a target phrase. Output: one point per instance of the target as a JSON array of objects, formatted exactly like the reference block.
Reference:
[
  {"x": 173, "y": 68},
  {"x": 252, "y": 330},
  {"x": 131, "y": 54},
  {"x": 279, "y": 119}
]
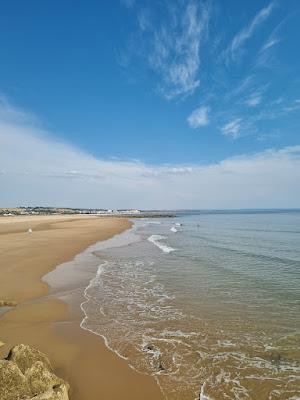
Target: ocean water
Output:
[{"x": 207, "y": 303}]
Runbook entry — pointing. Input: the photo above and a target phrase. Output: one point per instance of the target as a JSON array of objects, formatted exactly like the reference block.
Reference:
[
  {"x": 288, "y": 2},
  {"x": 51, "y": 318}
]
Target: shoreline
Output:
[{"x": 44, "y": 320}]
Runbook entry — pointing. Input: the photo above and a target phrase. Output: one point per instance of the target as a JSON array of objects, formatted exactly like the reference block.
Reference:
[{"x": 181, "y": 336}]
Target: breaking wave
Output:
[{"x": 156, "y": 240}]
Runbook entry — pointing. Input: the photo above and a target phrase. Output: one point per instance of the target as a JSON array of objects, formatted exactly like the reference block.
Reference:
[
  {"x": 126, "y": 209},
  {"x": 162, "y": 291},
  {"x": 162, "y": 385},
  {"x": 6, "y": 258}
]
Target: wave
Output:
[
  {"x": 156, "y": 240},
  {"x": 173, "y": 229}
]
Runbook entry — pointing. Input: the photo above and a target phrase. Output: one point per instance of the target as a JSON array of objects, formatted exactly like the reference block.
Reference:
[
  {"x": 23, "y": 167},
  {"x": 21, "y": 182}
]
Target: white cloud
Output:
[
  {"x": 293, "y": 106},
  {"x": 144, "y": 20},
  {"x": 38, "y": 169},
  {"x": 270, "y": 43},
  {"x": 254, "y": 99},
  {"x": 232, "y": 128},
  {"x": 243, "y": 85},
  {"x": 128, "y": 3},
  {"x": 246, "y": 33},
  {"x": 272, "y": 40},
  {"x": 9, "y": 113},
  {"x": 198, "y": 117},
  {"x": 176, "y": 48},
  {"x": 279, "y": 108},
  {"x": 264, "y": 55}
]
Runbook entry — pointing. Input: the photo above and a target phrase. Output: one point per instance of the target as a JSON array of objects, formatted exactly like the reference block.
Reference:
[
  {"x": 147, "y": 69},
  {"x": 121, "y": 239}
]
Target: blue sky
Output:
[{"x": 183, "y": 84}]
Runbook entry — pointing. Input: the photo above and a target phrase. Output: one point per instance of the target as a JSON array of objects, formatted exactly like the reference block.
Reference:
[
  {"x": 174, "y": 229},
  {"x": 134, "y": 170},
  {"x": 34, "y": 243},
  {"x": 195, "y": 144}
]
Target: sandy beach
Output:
[{"x": 46, "y": 322}]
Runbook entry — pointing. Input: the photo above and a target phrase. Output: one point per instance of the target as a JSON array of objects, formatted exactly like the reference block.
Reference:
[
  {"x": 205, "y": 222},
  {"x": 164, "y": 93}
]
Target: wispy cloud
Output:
[
  {"x": 264, "y": 55},
  {"x": 293, "y": 106},
  {"x": 276, "y": 36},
  {"x": 248, "y": 91},
  {"x": 175, "y": 54},
  {"x": 144, "y": 20},
  {"x": 270, "y": 43},
  {"x": 254, "y": 99},
  {"x": 267, "y": 136},
  {"x": 198, "y": 117},
  {"x": 232, "y": 129},
  {"x": 279, "y": 108},
  {"x": 177, "y": 40},
  {"x": 16, "y": 115},
  {"x": 128, "y": 3},
  {"x": 239, "y": 89},
  {"x": 245, "y": 34}
]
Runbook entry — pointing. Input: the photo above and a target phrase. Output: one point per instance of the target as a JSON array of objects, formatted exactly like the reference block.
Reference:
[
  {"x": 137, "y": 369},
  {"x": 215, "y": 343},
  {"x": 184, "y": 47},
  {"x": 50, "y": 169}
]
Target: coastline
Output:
[{"x": 45, "y": 321}]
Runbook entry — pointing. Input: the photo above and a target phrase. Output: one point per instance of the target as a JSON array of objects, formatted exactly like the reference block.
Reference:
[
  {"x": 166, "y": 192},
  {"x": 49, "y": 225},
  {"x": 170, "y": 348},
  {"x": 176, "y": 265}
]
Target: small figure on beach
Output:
[{"x": 29, "y": 230}]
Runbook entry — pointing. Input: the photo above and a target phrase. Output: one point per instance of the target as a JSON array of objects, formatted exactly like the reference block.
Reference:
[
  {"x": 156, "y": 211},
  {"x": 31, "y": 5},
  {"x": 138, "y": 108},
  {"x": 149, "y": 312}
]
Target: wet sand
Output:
[{"x": 46, "y": 322}]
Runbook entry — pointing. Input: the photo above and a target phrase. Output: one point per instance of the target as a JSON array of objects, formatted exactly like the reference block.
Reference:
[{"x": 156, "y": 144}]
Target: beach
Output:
[
  {"x": 45, "y": 321},
  {"x": 169, "y": 308}
]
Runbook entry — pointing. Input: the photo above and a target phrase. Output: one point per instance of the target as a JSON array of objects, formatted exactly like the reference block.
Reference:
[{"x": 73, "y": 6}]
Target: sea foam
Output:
[{"x": 156, "y": 240}]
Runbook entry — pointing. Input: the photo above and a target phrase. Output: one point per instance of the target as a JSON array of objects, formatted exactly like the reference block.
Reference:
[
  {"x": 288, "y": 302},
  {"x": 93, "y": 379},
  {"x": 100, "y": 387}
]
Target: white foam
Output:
[
  {"x": 202, "y": 395},
  {"x": 225, "y": 343},
  {"x": 173, "y": 229},
  {"x": 155, "y": 239},
  {"x": 178, "y": 224},
  {"x": 177, "y": 333},
  {"x": 84, "y": 321},
  {"x": 147, "y": 347}
]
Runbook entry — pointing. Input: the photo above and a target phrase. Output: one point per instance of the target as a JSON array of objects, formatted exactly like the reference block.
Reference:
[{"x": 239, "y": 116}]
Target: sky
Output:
[{"x": 150, "y": 104}]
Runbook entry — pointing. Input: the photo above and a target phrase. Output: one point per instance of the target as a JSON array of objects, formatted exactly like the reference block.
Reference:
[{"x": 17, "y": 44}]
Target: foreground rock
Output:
[
  {"x": 26, "y": 373},
  {"x": 8, "y": 303}
]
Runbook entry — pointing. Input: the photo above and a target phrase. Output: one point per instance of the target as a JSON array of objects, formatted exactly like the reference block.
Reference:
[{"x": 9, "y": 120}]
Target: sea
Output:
[{"x": 207, "y": 302}]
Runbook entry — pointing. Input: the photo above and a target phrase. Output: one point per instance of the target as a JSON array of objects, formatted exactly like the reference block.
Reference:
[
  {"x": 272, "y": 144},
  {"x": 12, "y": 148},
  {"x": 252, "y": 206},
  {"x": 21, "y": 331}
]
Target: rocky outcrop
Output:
[
  {"x": 26, "y": 373},
  {"x": 8, "y": 303}
]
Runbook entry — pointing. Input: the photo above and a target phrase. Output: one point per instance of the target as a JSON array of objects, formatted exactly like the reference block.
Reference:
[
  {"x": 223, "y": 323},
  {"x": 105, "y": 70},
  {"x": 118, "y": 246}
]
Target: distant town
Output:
[{"x": 6, "y": 212}]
